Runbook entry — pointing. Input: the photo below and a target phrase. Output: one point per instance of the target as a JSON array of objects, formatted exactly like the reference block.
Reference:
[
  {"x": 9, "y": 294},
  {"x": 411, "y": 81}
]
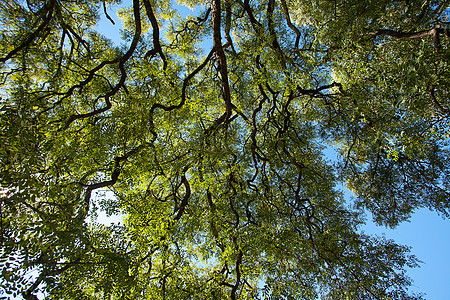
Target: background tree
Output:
[{"x": 216, "y": 157}]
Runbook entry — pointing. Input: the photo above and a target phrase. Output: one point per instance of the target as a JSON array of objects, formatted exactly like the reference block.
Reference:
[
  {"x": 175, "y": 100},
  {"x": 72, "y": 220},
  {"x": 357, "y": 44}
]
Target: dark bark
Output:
[
  {"x": 223, "y": 69},
  {"x": 156, "y": 44},
  {"x": 434, "y": 32},
  {"x": 48, "y": 14},
  {"x": 122, "y": 60}
]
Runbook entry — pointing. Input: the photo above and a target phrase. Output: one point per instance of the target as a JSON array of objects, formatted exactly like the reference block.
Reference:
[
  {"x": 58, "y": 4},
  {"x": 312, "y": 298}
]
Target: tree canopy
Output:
[{"x": 212, "y": 132}]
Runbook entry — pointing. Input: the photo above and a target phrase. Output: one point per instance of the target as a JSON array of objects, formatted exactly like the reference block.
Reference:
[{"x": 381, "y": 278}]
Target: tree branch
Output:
[
  {"x": 434, "y": 32},
  {"x": 121, "y": 61},
  {"x": 187, "y": 194},
  {"x": 289, "y": 23},
  {"x": 156, "y": 43},
  {"x": 183, "y": 89},
  {"x": 107, "y": 15},
  {"x": 218, "y": 49},
  {"x": 34, "y": 35},
  {"x": 438, "y": 105},
  {"x": 116, "y": 169}
]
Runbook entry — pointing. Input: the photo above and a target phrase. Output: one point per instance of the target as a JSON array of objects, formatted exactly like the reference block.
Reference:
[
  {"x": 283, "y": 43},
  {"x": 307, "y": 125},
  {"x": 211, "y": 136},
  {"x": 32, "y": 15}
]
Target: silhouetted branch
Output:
[{"x": 434, "y": 32}]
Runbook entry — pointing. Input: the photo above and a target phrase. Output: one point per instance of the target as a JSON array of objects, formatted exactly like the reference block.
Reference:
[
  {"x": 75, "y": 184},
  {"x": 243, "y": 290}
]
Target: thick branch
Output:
[
  {"x": 238, "y": 276},
  {"x": 434, "y": 32},
  {"x": 255, "y": 24},
  {"x": 318, "y": 91},
  {"x": 218, "y": 49},
  {"x": 156, "y": 43},
  {"x": 273, "y": 34},
  {"x": 187, "y": 194}
]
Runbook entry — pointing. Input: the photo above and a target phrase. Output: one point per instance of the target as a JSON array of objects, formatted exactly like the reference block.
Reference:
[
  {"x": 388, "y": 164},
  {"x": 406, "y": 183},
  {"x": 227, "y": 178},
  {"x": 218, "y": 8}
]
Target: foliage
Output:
[{"x": 216, "y": 154}]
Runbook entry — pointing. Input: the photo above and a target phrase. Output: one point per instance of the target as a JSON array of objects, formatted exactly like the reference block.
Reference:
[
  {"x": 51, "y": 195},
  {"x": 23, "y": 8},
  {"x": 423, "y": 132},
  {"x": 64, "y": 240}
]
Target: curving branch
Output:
[
  {"x": 212, "y": 222},
  {"x": 198, "y": 22},
  {"x": 255, "y": 24},
  {"x": 434, "y": 32},
  {"x": 184, "y": 201},
  {"x": 121, "y": 60},
  {"x": 46, "y": 20},
  {"x": 156, "y": 44},
  {"x": 68, "y": 29},
  {"x": 223, "y": 70},
  {"x": 273, "y": 35},
  {"x": 234, "y": 287},
  {"x": 289, "y": 23},
  {"x": 257, "y": 27},
  {"x": 107, "y": 15},
  {"x": 183, "y": 89},
  {"x": 228, "y": 5},
  {"x": 28, "y": 294},
  {"x": 116, "y": 169},
  {"x": 318, "y": 92},
  {"x": 436, "y": 102}
]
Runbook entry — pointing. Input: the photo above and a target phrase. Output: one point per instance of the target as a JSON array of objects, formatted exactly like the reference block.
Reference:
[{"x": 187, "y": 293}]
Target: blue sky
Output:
[{"x": 427, "y": 233}]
